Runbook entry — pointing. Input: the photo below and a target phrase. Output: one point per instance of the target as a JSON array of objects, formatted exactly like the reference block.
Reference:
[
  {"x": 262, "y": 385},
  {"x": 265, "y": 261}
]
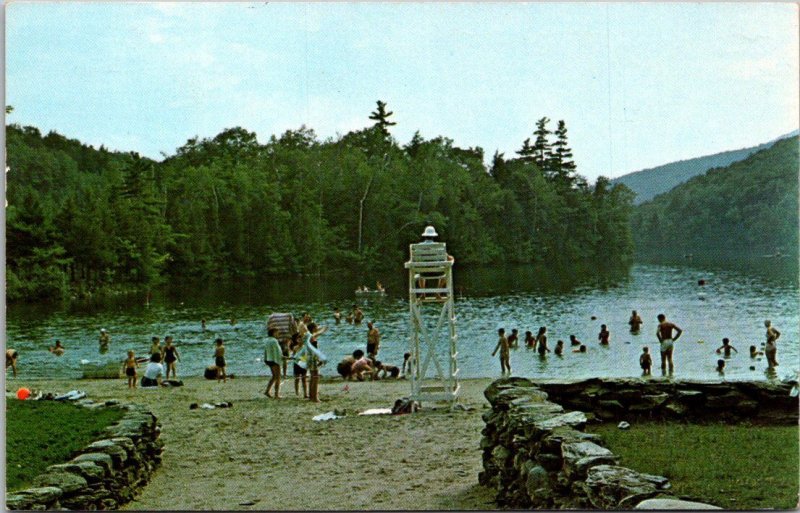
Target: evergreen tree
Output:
[
  {"x": 560, "y": 163},
  {"x": 541, "y": 147},
  {"x": 381, "y": 118},
  {"x": 527, "y": 152}
]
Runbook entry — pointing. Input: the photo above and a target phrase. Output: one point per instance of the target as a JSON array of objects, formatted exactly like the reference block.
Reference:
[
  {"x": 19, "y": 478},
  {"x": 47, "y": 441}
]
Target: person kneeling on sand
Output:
[
  {"x": 153, "y": 372},
  {"x": 361, "y": 366},
  {"x": 391, "y": 370}
]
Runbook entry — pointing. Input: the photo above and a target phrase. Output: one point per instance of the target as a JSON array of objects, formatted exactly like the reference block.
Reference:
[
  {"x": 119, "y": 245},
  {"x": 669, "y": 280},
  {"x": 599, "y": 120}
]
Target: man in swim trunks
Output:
[
  {"x": 373, "y": 340},
  {"x": 11, "y": 360},
  {"x": 665, "y": 339}
]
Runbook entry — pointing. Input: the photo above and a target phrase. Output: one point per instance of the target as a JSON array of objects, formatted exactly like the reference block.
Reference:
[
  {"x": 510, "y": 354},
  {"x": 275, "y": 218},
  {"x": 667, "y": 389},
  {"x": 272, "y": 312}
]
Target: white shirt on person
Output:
[{"x": 153, "y": 370}]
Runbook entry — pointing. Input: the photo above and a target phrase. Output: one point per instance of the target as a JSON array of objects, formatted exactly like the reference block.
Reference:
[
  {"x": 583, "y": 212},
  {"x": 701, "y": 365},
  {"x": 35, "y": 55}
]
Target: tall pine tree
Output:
[{"x": 560, "y": 165}]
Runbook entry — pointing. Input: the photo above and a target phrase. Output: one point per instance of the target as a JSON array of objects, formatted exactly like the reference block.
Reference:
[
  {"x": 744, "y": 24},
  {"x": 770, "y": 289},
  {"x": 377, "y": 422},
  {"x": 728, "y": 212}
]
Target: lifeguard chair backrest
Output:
[{"x": 429, "y": 253}]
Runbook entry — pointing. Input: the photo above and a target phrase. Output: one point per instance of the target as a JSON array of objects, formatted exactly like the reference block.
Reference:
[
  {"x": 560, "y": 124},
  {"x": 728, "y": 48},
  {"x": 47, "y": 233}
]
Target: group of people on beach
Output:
[
  {"x": 666, "y": 333},
  {"x": 300, "y": 345}
]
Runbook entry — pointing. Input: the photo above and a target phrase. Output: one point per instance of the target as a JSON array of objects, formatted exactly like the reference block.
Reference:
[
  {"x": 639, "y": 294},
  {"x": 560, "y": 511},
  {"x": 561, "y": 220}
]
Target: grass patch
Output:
[
  {"x": 43, "y": 433},
  {"x": 732, "y": 466}
]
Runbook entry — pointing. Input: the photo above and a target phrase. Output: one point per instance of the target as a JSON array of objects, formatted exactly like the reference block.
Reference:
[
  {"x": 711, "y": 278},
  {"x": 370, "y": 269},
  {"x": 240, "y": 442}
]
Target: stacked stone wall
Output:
[
  {"x": 697, "y": 401},
  {"x": 104, "y": 475},
  {"x": 536, "y": 453}
]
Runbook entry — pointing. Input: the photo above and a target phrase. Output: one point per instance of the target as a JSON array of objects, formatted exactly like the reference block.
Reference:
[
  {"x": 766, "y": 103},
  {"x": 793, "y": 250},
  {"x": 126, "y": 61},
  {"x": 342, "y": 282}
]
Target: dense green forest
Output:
[
  {"x": 748, "y": 208},
  {"x": 80, "y": 218},
  {"x": 649, "y": 183}
]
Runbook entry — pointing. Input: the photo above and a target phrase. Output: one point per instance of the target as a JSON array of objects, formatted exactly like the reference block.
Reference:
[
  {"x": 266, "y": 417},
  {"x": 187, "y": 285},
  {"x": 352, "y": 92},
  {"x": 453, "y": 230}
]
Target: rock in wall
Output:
[{"x": 105, "y": 475}]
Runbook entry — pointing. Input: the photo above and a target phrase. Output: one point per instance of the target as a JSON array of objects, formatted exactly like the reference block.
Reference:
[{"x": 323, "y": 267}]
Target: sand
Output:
[{"x": 265, "y": 454}]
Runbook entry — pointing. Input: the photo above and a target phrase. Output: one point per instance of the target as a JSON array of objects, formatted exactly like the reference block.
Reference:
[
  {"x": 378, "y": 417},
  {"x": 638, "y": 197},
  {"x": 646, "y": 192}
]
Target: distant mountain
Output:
[
  {"x": 649, "y": 183},
  {"x": 749, "y": 208}
]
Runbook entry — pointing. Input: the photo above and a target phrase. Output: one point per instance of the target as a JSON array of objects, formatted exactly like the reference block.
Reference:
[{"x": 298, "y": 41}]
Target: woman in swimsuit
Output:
[
  {"x": 170, "y": 356},
  {"x": 219, "y": 360}
]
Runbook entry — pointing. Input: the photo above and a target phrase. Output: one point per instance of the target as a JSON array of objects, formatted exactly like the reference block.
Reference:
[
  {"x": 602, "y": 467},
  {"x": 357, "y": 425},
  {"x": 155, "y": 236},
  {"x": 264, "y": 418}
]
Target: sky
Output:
[{"x": 638, "y": 85}]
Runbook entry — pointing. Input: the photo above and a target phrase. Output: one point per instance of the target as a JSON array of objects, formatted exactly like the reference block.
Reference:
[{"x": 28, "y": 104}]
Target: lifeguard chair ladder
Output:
[{"x": 430, "y": 282}]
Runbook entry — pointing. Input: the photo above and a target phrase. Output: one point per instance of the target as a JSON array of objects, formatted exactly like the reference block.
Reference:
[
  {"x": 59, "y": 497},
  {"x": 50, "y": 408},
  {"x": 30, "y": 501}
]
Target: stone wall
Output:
[
  {"x": 106, "y": 474},
  {"x": 537, "y": 455},
  {"x": 631, "y": 399}
]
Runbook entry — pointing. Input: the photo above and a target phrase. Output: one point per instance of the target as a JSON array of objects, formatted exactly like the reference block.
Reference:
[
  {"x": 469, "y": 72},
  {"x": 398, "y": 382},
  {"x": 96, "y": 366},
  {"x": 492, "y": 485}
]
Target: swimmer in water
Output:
[{"x": 726, "y": 347}]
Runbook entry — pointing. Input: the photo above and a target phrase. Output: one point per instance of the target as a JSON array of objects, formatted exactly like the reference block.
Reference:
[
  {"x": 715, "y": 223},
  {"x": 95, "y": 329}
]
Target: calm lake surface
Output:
[{"x": 733, "y": 303}]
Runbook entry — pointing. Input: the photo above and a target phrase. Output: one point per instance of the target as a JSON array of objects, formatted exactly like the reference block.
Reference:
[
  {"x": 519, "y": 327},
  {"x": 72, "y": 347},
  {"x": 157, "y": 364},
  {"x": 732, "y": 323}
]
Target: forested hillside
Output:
[
  {"x": 749, "y": 208},
  {"x": 649, "y": 183},
  {"x": 81, "y": 219}
]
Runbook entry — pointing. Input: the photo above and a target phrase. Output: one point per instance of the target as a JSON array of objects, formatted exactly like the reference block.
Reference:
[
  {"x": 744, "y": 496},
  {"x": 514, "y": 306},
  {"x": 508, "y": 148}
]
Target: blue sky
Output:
[{"x": 638, "y": 84}]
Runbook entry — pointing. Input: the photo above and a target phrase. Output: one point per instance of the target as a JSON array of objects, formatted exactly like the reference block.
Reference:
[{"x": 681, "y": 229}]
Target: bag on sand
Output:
[{"x": 404, "y": 405}]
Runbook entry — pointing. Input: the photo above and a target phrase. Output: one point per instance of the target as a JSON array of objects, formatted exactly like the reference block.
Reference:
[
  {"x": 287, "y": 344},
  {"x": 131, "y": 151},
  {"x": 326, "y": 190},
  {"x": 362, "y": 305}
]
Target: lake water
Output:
[{"x": 733, "y": 304}]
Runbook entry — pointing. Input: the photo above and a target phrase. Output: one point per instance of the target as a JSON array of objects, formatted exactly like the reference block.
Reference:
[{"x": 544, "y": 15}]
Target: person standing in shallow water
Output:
[
  {"x": 635, "y": 322},
  {"x": 502, "y": 346},
  {"x": 666, "y": 341},
  {"x": 604, "y": 335},
  {"x": 771, "y": 349}
]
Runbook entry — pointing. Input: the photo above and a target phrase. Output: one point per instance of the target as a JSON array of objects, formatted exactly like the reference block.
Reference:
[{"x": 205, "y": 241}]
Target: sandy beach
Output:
[{"x": 265, "y": 454}]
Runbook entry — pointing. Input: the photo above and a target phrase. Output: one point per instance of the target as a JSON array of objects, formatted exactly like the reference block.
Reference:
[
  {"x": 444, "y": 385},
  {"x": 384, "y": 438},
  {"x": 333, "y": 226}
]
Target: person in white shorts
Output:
[{"x": 666, "y": 340}]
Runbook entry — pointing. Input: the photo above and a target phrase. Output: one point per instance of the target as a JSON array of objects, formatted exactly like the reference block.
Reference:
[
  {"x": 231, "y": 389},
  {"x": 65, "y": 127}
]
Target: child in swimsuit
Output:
[
  {"x": 604, "y": 335},
  {"x": 219, "y": 360},
  {"x": 726, "y": 346},
  {"x": 130, "y": 367},
  {"x": 645, "y": 361},
  {"x": 559, "y": 350},
  {"x": 170, "y": 356}
]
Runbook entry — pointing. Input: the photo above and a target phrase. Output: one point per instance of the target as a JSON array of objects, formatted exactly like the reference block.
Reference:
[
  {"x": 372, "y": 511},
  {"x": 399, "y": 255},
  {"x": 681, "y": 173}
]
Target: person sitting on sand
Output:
[
  {"x": 635, "y": 322},
  {"x": 573, "y": 340},
  {"x": 530, "y": 340},
  {"x": 604, "y": 335},
  {"x": 337, "y": 315},
  {"x": 361, "y": 366},
  {"x": 11, "y": 360},
  {"x": 559, "y": 350},
  {"x": 754, "y": 352},
  {"x": 721, "y": 366},
  {"x": 726, "y": 346},
  {"x": 58, "y": 350},
  {"x": 581, "y": 349},
  {"x": 129, "y": 369},
  {"x": 646, "y": 361},
  {"x": 771, "y": 348},
  {"x": 219, "y": 360},
  {"x": 170, "y": 355},
  {"x": 502, "y": 345},
  {"x": 273, "y": 357},
  {"x": 153, "y": 372}
]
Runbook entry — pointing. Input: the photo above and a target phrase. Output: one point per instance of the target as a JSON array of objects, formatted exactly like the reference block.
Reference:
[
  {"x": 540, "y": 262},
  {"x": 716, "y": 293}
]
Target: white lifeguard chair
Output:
[{"x": 430, "y": 285}]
